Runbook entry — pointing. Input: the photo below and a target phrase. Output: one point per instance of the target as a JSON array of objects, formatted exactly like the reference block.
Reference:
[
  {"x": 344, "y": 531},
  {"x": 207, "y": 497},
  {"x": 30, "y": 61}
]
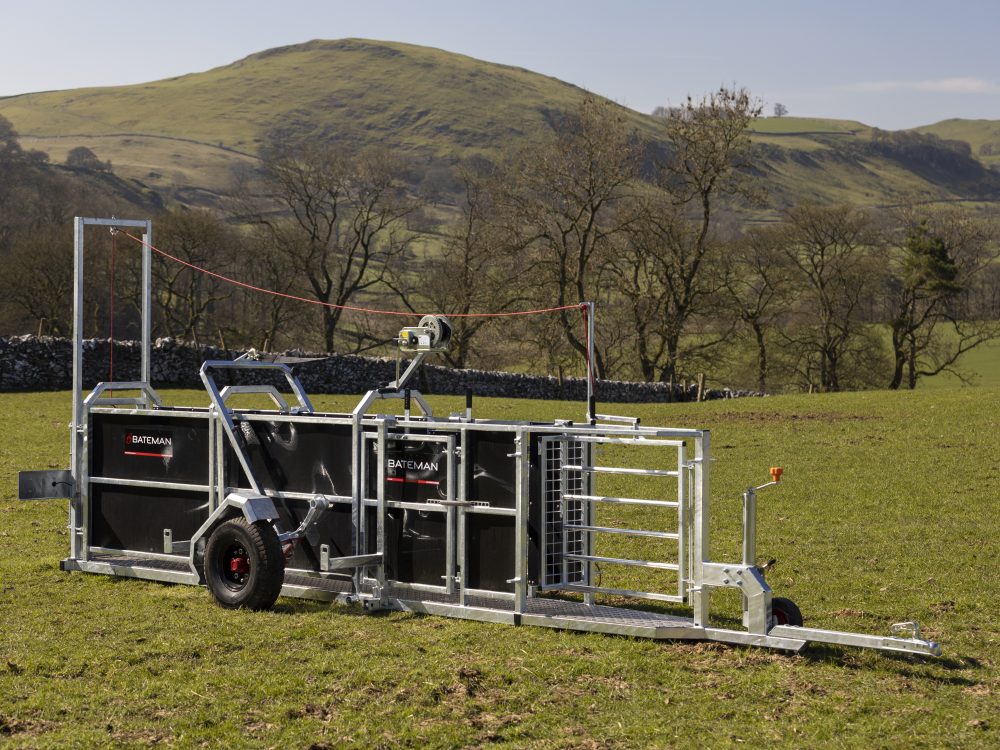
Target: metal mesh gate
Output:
[{"x": 573, "y": 531}]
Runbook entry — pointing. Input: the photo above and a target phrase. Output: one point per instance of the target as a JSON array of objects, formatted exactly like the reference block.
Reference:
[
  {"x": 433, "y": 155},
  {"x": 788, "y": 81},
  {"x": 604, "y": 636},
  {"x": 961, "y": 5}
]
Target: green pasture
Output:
[
  {"x": 888, "y": 511},
  {"x": 808, "y": 125}
]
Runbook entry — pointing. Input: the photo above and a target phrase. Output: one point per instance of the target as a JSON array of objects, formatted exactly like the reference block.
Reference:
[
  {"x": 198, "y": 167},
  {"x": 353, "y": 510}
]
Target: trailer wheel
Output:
[
  {"x": 785, "y": 612},
  {"x": 244, "y": 566}
]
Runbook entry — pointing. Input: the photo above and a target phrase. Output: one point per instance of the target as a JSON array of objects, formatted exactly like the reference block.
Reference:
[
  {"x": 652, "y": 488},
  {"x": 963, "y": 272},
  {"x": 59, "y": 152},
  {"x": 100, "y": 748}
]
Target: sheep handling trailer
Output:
[{"x": 497, "y": 521}]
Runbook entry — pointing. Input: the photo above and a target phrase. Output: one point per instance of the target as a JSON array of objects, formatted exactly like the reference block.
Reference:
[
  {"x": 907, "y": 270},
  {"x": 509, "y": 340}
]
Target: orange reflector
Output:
[{"x": 776, "y": 473}]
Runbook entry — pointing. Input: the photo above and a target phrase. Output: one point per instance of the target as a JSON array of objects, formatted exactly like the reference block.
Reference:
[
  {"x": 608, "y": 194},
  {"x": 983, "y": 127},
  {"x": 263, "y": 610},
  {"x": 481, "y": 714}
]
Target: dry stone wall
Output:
[{"x": 31, "y": 363}]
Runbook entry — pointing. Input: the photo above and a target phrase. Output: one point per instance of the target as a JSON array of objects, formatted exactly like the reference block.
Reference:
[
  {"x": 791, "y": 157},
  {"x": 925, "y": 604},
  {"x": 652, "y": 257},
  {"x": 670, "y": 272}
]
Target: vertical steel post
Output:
[
  {"x": 750, "y": 527},
  {"x": 591, "y": 397},
  {"x": 380, "y": 546},
  {"x": 682, "y": 522},
  {"x": 702, "y": 546},
  {"x": 75, "y": 504},
  {"x": 147, "y": 305},
  {"x": 77, "y": 341},
  {"x": 523, "y": 495},
  {"x": 451, "y": 519}
]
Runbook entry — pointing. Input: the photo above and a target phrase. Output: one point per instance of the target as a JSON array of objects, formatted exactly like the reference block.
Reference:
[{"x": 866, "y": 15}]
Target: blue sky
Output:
[{"x": 888, "y": 63}]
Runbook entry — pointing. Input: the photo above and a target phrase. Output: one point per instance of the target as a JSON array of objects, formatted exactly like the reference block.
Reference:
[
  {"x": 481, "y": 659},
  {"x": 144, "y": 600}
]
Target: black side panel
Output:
[
  {"x": 134, "y": 517},
  {"x": 295, "y": 456},
  {"x": 333, "y": 528},
  {"x": 415, "y": 472},
  {"x": 418, "y": 544},
  {"x": 490, "y": 551},
  {"x": 490, "y": 471},
  {"x": 147, "y": 447}
]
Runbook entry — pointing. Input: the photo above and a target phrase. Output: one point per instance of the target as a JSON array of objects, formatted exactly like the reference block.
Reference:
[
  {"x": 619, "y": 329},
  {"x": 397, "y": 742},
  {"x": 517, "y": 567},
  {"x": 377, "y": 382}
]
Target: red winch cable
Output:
[{"x": 373, "y": 311}]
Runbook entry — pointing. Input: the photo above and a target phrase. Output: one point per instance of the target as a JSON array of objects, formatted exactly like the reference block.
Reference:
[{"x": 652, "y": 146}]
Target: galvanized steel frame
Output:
[{"x": 697, "y": 573}]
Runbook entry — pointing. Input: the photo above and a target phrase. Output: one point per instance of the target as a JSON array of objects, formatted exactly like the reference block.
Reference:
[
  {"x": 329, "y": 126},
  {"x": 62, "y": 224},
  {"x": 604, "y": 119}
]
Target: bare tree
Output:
[
  {"x": 563, "y": 203},
  {"x": 831, "y": 250},
  {"x": 668, "y": 271},
  {"x": 339, "y": 218},
  {"x": 38, "y": 280},
  {"x": 186, "y": 298},
  {"x": 780, "y": 110},
  {"x": 760, "y": 288},
  {"x": 265, "y": 320},
  {"x": 475, "y": 270}
]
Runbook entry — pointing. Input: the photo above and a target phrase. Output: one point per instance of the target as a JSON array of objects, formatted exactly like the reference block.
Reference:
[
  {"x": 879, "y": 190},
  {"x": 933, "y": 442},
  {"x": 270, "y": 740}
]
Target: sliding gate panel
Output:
[{"x": 420, "y": 507}]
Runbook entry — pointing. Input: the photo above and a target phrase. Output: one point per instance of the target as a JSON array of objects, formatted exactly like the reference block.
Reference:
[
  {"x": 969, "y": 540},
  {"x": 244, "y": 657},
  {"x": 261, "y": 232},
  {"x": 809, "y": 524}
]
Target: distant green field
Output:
[
  {"x": 810, "y": 125},
  {"x": 888, "y": 511},
  {"x": 981, "y": 365}
]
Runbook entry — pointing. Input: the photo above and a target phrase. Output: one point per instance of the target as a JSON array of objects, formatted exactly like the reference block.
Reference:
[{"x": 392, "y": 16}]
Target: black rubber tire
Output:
[
  {"x": 785, "y": 612},
  {"x": 244, "y": 565}
]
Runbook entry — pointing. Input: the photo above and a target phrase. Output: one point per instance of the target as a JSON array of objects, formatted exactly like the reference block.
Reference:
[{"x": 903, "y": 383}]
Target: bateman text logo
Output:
[{"x": 149, "y": 443}]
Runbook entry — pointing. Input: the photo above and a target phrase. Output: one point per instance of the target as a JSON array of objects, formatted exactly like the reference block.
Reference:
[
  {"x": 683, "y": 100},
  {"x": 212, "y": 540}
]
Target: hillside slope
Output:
[
  {"x": 983, "y": 136},
  {"x": 184, "y": 136}
]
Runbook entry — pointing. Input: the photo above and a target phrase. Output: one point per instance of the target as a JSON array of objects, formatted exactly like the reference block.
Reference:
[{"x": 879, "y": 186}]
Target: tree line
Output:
[{"x": 660, "y": 235}]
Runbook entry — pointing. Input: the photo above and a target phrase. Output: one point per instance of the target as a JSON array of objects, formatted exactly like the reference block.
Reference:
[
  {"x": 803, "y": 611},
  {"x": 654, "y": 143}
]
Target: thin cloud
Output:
[{"x": 960, "y": 85}]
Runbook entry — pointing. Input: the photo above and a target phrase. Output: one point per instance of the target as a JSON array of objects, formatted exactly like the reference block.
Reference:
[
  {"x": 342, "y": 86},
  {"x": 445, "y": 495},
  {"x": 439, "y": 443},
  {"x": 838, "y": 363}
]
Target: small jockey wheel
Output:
[
  {"x": 785, "y": 612},
  {"x": 244, "y": 565}
]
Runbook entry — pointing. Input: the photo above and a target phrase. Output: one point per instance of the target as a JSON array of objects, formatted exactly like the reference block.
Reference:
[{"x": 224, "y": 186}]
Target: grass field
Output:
[{"x": 888, "y": 511}]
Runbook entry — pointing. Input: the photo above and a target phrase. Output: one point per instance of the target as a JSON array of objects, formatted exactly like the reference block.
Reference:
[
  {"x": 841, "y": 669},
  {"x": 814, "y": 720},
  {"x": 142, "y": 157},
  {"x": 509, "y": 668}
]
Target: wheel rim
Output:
[
  {"x": 235, "y": 567},
  {"x": 780, "y": 617}
]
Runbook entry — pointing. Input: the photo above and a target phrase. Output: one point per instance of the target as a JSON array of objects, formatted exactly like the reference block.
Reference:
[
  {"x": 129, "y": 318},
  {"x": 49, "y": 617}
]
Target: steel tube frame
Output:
[{"x": 697, "y": 573}]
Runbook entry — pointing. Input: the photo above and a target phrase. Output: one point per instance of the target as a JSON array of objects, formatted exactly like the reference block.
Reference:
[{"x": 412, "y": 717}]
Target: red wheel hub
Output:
[{"x": 239, "y": 564}]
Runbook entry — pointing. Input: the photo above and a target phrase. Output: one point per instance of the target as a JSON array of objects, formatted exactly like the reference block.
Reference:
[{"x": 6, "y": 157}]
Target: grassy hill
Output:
[
  {"x": 183, "y": 136},
  {"x": 983, "y": 136}
]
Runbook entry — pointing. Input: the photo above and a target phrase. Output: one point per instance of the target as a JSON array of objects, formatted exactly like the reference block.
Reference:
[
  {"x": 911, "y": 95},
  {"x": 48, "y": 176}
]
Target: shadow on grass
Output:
[{"x": 911, "y": 665}]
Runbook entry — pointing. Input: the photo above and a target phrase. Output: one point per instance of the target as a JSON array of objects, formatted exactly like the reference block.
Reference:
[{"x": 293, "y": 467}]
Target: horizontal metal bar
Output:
[
  {"x": 137, "y": 554},
  {"x": 151, "y": 484},
  {"x": 119, "y": 401},
  {"x": 169, "y": 411},
  {"x": 623, "y": 500},
  {"x": 353, "y": 561},
  {"x": 862, "y": 640},
  {"x": 628, "y": 441},
  {"x": 545, "y": 430},
  {"x": 130, "y": 571},
  {"x": 617, "y": 418},
  {"x": 428, "y": 506},
  {"x": 489, "y": 594},
  {"x": 402, "y": 587},
  {"x": 652, "y": 595},
  {"x": 621, "y": 470},
  {"x": 627, "y": 532},
  {"x": 623, "y": 561},
  {"x": 484, "y": 510},
  {"x": 114, "y": 222},
  {"x": 285, "y": 495},
  {"x": 418, "y": 438}
]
